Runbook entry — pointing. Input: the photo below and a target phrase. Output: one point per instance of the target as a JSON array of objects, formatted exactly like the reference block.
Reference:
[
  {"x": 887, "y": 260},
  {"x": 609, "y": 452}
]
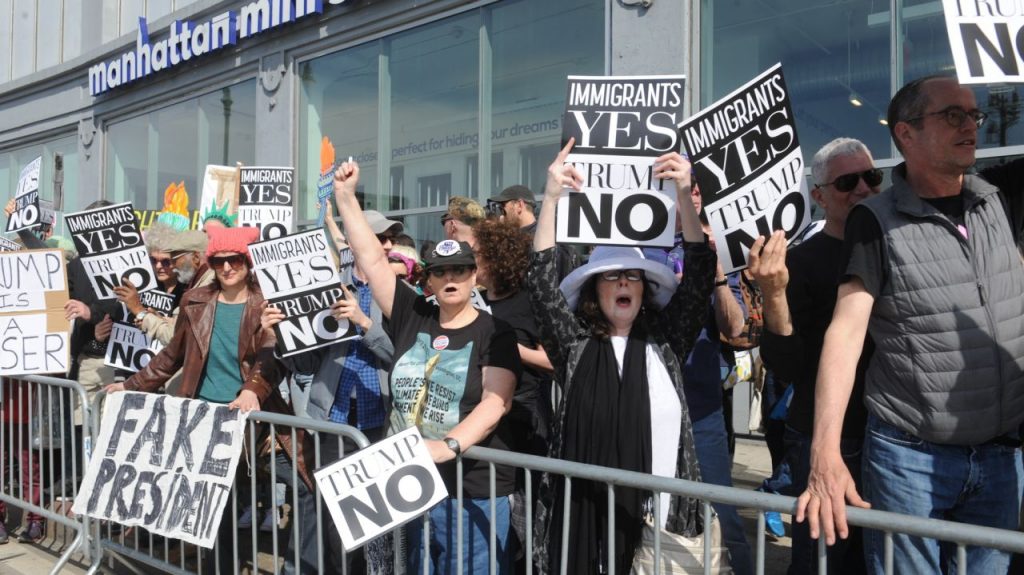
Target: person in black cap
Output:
[{"x": 515, "y": 204}]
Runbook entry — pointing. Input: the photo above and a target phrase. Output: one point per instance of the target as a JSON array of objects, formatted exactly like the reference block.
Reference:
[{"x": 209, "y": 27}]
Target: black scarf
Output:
[{"x": 608, "y": 423}]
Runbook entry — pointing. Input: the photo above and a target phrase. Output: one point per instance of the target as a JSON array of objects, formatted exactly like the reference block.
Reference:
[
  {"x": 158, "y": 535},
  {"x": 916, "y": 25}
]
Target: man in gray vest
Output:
[{"x": 933, "y": 273}]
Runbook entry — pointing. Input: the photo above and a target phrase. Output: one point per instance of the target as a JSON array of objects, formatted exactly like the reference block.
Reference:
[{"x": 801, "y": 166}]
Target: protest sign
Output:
[
  {"x": 7, "y": 245},
  {"x": 265, "y": 199},
  {"x": 297, "y": 275},
  {"x": 27, "y": 212},
  {"x": 987, "y": 40},
  {"x": 158, "y": 301},
  {"x": 746, "y": 159},
  {"x": 33, "y": 291},
  {"x": 163, "y": 463},
  {"x": 347, "y": 263},
  {"x": 110, "y": 246},
  {"x": 220, "y": 194},
  {"x": 129, "y": 348},
  {"x": 325, "y": 185},
  {"x": 380, "y": 487},
  {"x": 621, "y": 124}
]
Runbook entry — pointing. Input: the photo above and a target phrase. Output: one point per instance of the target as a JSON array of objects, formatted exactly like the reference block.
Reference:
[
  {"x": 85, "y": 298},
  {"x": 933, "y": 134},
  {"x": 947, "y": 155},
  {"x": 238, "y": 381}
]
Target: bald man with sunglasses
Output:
[
  {"x": 932, "y": 271},
  {"x": 799, "y": 288}
]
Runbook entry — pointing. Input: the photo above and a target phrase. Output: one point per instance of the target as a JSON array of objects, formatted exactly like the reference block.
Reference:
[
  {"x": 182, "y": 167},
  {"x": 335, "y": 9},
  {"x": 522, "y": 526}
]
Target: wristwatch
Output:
[{"x": 453, "y": 444}]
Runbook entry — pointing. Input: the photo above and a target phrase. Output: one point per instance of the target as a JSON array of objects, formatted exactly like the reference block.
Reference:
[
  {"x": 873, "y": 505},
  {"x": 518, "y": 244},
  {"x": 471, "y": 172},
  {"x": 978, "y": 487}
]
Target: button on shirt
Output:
[{"x": 359, "y": 373}]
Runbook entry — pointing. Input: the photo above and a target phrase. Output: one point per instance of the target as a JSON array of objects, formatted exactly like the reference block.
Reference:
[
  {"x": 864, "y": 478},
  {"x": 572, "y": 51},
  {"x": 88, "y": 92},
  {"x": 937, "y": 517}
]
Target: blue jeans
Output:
[
  {"x": 476, "y": 525},
  {"x": 847, "y": 555},
  {"x": 712, "y": 448},
  {"x": 979, "y": 485}
]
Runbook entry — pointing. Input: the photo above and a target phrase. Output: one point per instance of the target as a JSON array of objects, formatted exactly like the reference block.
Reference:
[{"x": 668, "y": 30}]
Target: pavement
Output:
[{"x": 751, "y": 465}]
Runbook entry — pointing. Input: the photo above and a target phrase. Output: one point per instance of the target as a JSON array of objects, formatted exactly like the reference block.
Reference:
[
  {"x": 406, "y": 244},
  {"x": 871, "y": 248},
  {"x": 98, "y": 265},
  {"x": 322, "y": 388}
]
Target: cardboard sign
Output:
[
  {"x": 129, "y": 348},
  {"x": 297, "y": 275},
  {"x": 163, "y": 463},
  {"x": 220, "y": 193},
  {"x": 158, "y": 301},
  {"x": 986, "y": 40},
  {"x": 33, "y": 331},
  {"x": 747, "y": 161},
  {"x": 7, "y": 245},
  {"x": 346, "y": 266},
  {"x": 27, "y": 211},
  {"x": 265, "y": 200},
  {"x": 111, "y": 248},
  {"x": 404, "y": 483},
  {"x": 621, "y": 124}
]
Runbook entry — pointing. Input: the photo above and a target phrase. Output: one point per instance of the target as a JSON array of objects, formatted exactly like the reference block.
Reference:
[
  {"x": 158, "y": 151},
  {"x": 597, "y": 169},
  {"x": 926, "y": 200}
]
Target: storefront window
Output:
[
  {"x": 11, "y": 163},
  {"x": 174, "y": 144},
  {"x": 410, "y": 107}
]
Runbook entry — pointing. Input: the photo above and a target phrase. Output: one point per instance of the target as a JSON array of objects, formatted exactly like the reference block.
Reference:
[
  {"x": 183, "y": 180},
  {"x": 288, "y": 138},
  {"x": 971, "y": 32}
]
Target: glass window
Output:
[
  {"x": 23, "y": 54},
  {"x": 408, "y": 106},
  {"x": 6, "y": 30},
  {"x": 48, "y": 33},
  {"x": 12, "y": 161},
  {"x": 834, "y": 56},
  {"x": 174, "y": 144},
  {"x": 72, "y": 31}
]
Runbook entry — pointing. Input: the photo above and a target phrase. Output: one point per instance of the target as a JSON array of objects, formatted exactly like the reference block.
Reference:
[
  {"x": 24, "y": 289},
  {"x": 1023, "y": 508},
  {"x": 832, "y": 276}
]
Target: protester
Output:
[
  {"x": 515, "y": 205},
  {"x": 224, "y": 354},
  {"x": 405, "y": 263},
  {"x": 454, "y": 363},
  {"x": 931, "y": 270},
  {"x": 621, "y": 318},
  {"x": 463, "y": 213},
  {"x": 799, "y": 290}
]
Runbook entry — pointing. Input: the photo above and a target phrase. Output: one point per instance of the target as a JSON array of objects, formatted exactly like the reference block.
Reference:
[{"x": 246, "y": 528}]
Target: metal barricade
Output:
[
  {"x": 42, "y": 462},
  {"x": 266, "y": 464}
]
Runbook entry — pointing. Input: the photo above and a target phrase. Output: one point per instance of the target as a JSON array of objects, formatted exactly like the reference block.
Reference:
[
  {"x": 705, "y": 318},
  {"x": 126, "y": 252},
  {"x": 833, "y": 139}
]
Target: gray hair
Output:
[
  {"x": 834, "y": 149},
  {"x": 159, "y": 237},
  {"x": 909, "y": 103}
]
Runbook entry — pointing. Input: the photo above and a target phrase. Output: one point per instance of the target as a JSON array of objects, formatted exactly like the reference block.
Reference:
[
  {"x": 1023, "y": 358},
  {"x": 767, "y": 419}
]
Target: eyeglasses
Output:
[
  {"x": 631, "y": 275},
  {"x": 456, "y": 271},
  {"x": 955, "y": 116},
  {"x": 383, "y": 238},
  {"x": 157, "y": 262},
  {"x": 847, "y": 182},
  {"x": 236, "y": 261}
]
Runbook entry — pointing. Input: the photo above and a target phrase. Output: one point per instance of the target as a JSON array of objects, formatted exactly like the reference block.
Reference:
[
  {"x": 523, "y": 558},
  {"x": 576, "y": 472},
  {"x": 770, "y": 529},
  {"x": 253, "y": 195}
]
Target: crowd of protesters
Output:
[{"x": 892, "y": 345}]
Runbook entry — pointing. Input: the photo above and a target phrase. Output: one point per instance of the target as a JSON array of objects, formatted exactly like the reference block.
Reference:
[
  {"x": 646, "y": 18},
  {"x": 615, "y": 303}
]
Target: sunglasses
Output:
[
  {"x": 631, "y": 275},
  {"x": 457, "y": 271},
  {"x": 495, "y": 208},
  {"x": 955, "y": 116},
  {"x": 236, "y": 261},
  {"x": 157, "y": 262},
  {"x": 382, "y": 238},
  {"x": 847, "y": 182}
]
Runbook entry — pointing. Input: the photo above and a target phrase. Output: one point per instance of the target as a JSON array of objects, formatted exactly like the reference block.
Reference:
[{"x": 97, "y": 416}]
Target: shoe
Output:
[
  {"x": 3, "y": 534},
  {"x": 271, "y": 519},
  {"x": 773, "y": 521},
  {"x": 245, "y": 520},
  {"x": 34, "y": 532}
]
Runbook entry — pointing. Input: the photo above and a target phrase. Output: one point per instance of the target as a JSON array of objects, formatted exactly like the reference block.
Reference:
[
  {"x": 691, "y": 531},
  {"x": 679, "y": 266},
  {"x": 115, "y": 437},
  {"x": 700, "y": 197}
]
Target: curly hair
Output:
[
  {"x": 159, "y": 237},
  {"x": 506, "y": 250},
  {"x": 589, "y": 309}
]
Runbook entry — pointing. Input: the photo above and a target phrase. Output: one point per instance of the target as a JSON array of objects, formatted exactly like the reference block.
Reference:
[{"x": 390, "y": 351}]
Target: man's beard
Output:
[{"x": 185, "y": 272}]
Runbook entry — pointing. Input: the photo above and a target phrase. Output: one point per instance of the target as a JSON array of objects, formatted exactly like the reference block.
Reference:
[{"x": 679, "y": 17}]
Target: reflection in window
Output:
[
  {"x": 13, "y": 161},
  {"x": 174, "y": 144},
  {"x": 408, "y": 106}
]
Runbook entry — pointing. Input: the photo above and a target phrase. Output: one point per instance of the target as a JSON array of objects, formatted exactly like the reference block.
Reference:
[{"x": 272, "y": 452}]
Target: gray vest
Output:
[{"x": 949, "y": 324}]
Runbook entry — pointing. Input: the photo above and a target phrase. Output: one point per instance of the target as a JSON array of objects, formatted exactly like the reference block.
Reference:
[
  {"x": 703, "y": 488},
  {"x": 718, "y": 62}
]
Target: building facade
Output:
[{"x": 434, "y": 98}]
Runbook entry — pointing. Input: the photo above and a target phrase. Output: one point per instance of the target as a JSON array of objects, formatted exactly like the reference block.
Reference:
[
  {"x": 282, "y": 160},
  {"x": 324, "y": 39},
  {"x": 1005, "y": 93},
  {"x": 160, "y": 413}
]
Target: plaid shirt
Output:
[{"x": 359, "y": 373}]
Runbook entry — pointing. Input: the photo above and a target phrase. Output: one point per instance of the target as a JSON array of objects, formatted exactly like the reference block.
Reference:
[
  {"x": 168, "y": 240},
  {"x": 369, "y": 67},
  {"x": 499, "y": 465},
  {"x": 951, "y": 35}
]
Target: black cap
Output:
[
  {"x": 516, "y": 192},
  {"x": 450, "y": 253}
]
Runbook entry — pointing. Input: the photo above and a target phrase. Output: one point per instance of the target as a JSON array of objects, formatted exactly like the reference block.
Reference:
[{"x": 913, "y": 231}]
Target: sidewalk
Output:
[{"x": 750, "y": 466}]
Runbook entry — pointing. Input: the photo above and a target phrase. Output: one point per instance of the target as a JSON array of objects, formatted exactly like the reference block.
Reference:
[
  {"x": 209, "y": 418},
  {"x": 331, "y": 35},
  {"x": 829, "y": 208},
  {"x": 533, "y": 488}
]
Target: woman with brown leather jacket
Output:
[{"x": 224, "y": 354}]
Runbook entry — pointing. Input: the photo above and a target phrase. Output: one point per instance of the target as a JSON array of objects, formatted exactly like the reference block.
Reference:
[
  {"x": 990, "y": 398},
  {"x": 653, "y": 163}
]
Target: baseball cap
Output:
[
  {"x": 464, "y": 210},
  {"x": 516, "y": 192},
  {"x": 450, "y": 253},
  {"x": 380, "y": 224}
]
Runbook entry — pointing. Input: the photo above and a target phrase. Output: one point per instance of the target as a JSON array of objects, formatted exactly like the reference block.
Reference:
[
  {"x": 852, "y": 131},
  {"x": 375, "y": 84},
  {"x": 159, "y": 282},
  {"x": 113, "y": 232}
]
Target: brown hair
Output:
[
  {"x": 506, "y": 251},
  {"x": 589, "y": 309}
]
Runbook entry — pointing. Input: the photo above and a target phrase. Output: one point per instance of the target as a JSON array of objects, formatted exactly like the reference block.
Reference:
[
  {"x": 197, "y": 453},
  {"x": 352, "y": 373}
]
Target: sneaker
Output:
[
  {"x": 3, "y": 534},
  {"x": 34, "y": 532},
  {"x": 245, "y": 520},
  {"x": 773, "y": 521},
  {"x": 271, "y": 519}
]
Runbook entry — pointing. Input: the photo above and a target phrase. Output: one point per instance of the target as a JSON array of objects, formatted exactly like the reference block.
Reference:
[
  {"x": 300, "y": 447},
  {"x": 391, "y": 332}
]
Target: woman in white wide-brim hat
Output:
[{"x": 617, "y": 330}]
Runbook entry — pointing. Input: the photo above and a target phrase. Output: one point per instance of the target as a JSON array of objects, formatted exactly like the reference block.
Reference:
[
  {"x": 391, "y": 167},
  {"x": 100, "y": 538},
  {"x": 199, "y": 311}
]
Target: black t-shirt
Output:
[
  {"x": 814, "y": 271},
  {"x": 864, "y": 254},
  {"x": 455, "y": 380},
  {"x": 531, "y": 410}
]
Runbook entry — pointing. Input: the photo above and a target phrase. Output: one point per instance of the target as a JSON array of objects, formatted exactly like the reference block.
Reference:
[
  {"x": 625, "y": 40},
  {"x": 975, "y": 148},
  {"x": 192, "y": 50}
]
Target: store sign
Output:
[
  {"x": 186, "y": 40},
  {"x": 987, "y": 40}
]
